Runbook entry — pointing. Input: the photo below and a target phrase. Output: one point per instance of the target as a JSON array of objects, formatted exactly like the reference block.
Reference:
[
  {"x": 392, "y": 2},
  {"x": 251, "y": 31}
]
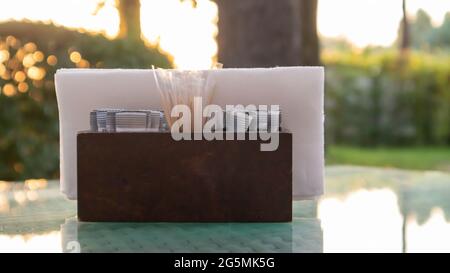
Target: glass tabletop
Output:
[{"x": 363, "y": 210}]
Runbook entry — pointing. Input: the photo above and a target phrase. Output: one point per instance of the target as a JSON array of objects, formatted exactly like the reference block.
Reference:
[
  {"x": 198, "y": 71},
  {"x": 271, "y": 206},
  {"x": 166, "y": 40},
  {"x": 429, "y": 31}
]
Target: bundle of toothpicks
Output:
[{"x": 181, "y": 87}]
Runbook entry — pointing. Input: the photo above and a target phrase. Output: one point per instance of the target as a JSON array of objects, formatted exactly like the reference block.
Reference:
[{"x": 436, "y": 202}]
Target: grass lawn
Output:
[{"x": 415, "y": 158}]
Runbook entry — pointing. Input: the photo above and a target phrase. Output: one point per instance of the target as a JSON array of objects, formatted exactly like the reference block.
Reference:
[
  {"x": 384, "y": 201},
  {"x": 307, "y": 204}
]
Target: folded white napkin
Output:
[{"x": 298, "y": 90}]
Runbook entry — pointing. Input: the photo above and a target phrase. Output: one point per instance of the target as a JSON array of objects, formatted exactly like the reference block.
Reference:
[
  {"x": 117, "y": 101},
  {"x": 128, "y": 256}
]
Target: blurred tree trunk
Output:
[
  {"x": 309, "y": 44},
  {"x": 405, "y": 41},
  {"x": 257, "y": 33},
  {"x": 130, "y": 19},
  {"x": 266, "y": 33}
]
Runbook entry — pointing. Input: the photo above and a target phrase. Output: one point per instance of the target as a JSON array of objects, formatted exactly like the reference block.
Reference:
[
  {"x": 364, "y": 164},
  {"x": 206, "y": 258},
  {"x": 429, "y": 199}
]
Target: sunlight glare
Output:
[
  {"x": 432, "y": 236},
  {"x": 185, "y": 32},
  {"x": 372, "y": 22},
  {"x": 48, "y": 242},
  {"x": 76, "y": 14},
  {"x": 374, "y": 217}
]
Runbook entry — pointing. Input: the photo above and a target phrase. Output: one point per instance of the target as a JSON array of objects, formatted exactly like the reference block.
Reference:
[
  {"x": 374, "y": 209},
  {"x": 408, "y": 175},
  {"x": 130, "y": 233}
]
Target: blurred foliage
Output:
[
  {"x": 382, "y": 98},
  {"x": 413, "y": 158},
  {"x": 30, "y": 54},
  {"x": 374, "y": 97},
  {"x": 425, "y": 36}
]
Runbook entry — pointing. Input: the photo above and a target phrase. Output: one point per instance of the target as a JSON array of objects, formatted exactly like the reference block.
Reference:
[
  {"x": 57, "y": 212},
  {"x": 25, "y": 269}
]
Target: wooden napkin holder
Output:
[{"x": 149, "y": 177}]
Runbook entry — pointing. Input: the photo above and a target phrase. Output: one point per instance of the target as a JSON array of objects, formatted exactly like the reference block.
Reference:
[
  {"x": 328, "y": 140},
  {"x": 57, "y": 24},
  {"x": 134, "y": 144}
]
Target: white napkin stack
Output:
[{"x": 298, "y": 91}]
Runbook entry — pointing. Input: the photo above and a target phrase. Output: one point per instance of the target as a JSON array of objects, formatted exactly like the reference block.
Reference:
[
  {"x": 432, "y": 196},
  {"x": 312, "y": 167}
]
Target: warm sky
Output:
[
  {"x": 377, "y": 20},
  {"x": 188, "y": 34}
]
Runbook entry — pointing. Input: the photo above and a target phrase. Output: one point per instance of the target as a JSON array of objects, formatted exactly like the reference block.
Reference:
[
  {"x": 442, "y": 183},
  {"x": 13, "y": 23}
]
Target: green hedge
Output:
[{"x": 383, "y": 98}]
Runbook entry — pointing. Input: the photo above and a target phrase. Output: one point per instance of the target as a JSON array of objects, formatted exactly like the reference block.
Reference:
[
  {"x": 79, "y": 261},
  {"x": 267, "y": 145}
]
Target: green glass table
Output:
[{"x": 363, "y": 210}]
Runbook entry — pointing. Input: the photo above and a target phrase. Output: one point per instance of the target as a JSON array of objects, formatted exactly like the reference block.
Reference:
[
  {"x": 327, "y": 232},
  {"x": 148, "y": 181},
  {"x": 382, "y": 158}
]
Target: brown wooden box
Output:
[{"x": 149, "y": 177}]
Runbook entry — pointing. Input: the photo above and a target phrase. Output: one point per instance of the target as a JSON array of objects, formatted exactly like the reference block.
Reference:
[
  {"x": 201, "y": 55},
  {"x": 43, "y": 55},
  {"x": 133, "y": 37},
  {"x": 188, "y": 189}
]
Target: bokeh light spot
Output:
[
  {"x": 9, "y": 90},
  {"x": 75, "y": 57},
  {"x": 20, "y": 197},
  {"x": 12, "y": 41},
  {"x": 83, "y": 64},
  {"x": 36, "y": 73},
  {"x": 28, "y": 60},
  {"x": 52, "y": 60},
  {"x": 18, "y": 167},
  {"x": 38, "y": 56},
  {"x": 36, "y": 184},
  {"x": 30, "y": 47},
  {"x": 4, "y": 55},
  {"x": 23, "y": 87},
  {"x": 20, "y": 76}
]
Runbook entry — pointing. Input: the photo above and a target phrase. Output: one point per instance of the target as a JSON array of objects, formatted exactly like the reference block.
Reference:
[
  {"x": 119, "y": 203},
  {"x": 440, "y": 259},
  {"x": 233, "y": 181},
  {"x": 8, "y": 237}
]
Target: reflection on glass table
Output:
[
  {"x": 364, "y": 210},
  {"x": 302, "y": 235}
]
